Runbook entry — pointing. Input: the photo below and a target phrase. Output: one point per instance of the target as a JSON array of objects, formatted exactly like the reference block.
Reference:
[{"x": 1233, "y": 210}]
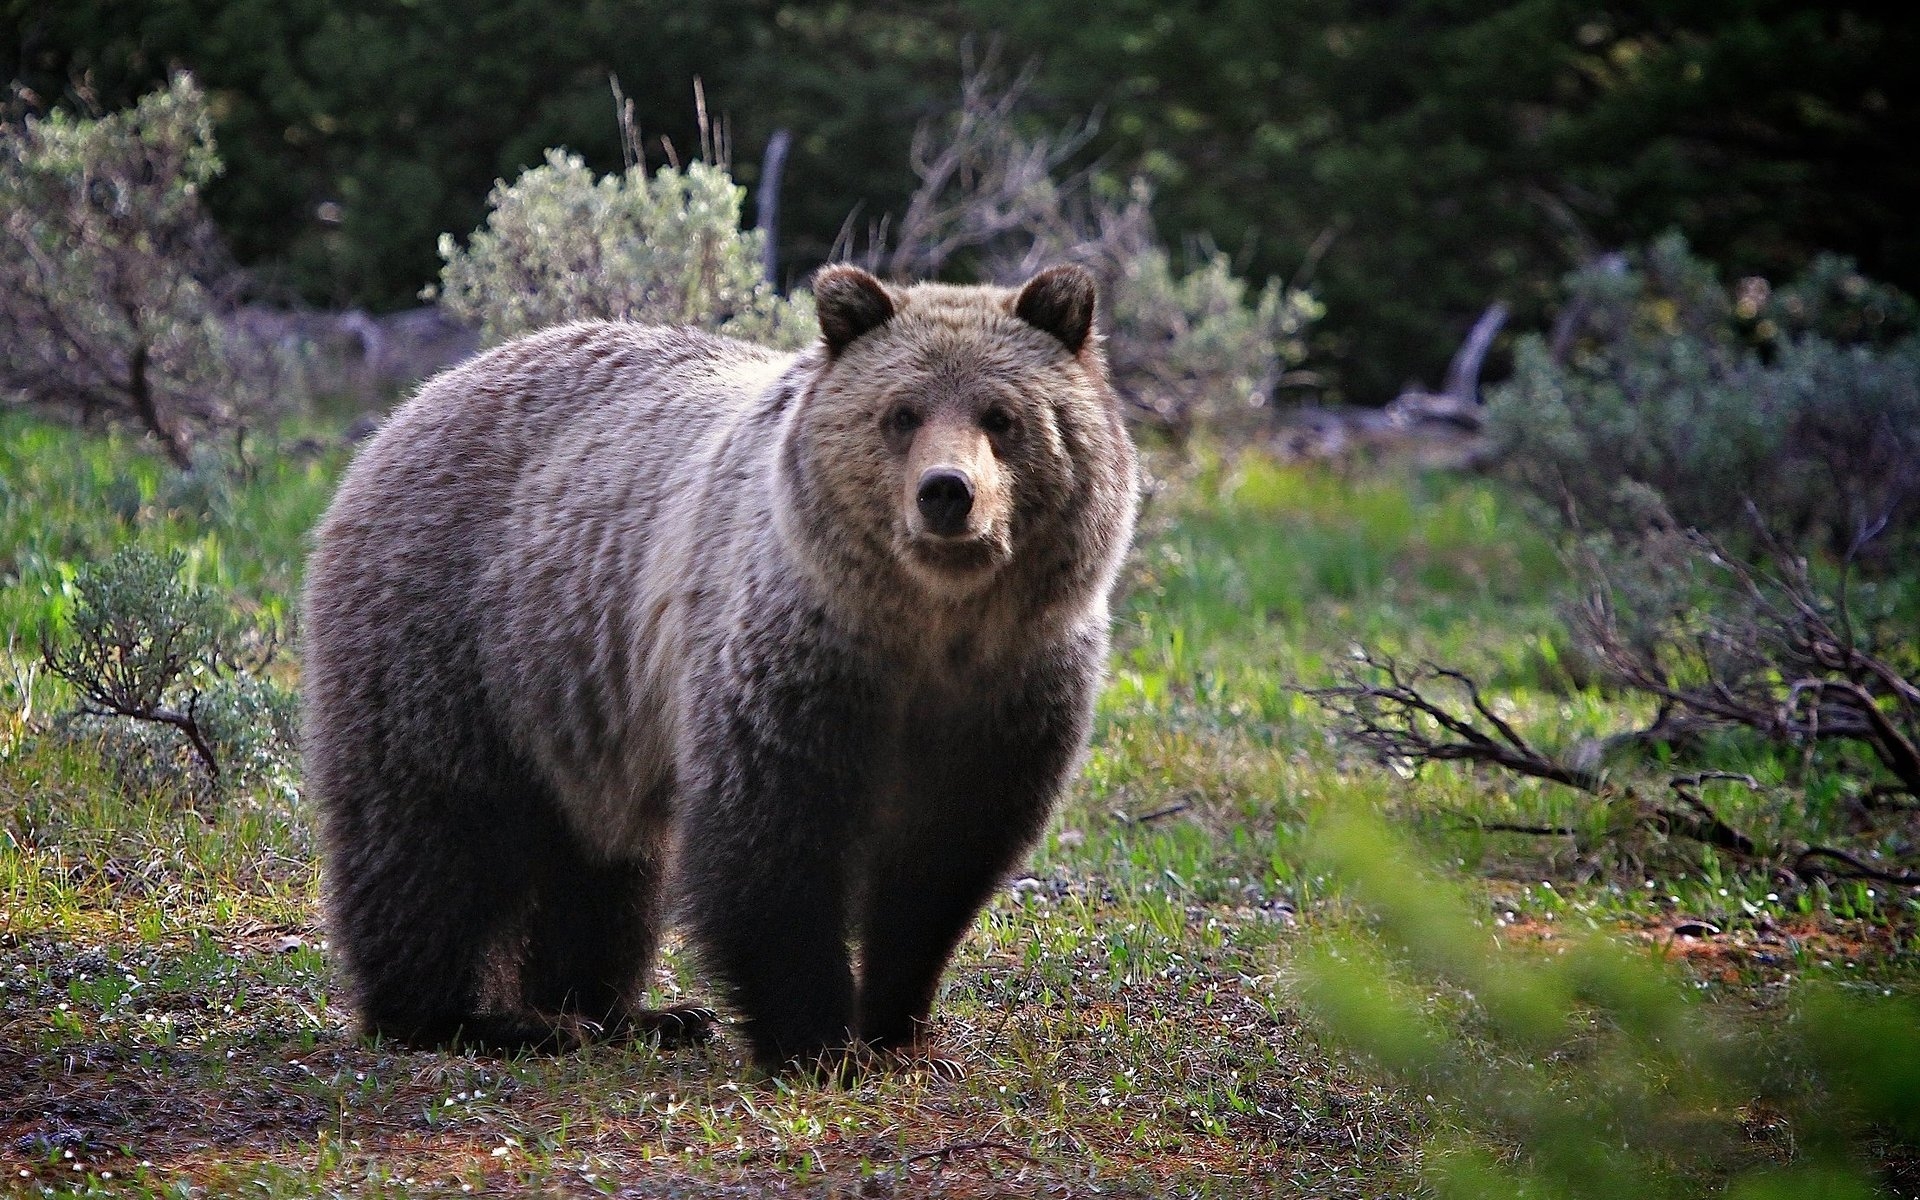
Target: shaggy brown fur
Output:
[{"x": 815, "y": 637}]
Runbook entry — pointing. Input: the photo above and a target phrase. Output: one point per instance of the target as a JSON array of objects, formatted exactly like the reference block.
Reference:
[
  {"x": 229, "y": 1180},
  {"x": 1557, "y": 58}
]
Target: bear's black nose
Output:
[{"x": 945, "y": 497}]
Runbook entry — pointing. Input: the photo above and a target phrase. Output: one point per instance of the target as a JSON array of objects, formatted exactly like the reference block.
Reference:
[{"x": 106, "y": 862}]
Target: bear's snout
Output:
[{"x": 945, "y": 497}]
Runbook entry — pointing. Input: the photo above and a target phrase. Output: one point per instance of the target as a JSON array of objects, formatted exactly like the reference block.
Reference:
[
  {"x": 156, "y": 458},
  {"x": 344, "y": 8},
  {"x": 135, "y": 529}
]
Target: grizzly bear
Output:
[{"x": 807, "y": 644}]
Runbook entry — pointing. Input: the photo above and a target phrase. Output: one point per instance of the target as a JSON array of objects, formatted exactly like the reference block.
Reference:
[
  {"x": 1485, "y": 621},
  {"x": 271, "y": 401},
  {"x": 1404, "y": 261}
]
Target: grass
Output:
[{"x": 1130, "y": 1010}]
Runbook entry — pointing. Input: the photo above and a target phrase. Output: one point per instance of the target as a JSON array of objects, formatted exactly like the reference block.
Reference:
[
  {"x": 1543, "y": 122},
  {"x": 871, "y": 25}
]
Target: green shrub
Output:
[
  {"x": 142, "y": 645},
  {"x": 662, "y": 248},
  {"x": 1204, "y": 348},
  {"x": 1665, "y": 398},
  {"x": 114, "y": 284}
]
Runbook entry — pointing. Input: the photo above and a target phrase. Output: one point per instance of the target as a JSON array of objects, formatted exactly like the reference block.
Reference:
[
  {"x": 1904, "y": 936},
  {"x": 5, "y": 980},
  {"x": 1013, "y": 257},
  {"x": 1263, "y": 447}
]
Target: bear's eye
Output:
[
  {"x": 902, "y": 420},
  {"x": 997, "y": 421}
]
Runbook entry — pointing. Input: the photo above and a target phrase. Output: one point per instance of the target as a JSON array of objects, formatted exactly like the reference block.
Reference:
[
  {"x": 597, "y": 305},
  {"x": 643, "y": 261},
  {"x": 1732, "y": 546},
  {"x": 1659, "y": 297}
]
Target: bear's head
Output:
[{"x": 951, "y": 435}]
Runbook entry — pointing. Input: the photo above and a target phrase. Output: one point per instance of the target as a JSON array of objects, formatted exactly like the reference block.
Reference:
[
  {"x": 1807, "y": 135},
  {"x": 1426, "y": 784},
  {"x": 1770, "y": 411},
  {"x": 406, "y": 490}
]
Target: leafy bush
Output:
[
  {"x": 113, "y": 280},
  {"x": 1203, "y": 348},
  {"x": 1664, "y": 398},
  {"x": 143, "y": 644},
  {"x": 663, "y": 248}
]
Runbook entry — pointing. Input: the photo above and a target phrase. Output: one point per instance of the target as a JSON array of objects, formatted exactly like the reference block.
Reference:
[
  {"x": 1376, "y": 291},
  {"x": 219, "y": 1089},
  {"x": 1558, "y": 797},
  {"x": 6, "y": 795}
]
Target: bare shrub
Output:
[
  {"x": 1196, "y": 348},
  {"x": 114, "y": 284},
  {"x": 1772, "y": 644},
  {"x": 1776, "y": 648}
]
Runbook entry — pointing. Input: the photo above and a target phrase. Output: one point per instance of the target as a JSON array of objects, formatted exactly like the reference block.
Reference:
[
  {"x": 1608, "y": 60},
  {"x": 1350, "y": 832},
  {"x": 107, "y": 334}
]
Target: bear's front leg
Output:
[
  {"x": 770, "y": 768},
  {"x": 977, "y": 789}
]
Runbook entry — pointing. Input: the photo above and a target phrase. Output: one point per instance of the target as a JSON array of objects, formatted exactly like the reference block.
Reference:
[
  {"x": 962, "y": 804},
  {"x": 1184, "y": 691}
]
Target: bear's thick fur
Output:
[{"x": 812, "y": 638}]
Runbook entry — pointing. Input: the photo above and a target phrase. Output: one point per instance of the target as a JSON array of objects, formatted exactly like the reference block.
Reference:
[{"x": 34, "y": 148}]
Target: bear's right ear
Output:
[{"x": 849, "y": 302}]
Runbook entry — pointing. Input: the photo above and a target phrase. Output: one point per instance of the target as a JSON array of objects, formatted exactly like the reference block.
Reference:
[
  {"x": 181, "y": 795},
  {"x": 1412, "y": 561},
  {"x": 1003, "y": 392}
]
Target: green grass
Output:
[{"x": 1130, "y": 1010}]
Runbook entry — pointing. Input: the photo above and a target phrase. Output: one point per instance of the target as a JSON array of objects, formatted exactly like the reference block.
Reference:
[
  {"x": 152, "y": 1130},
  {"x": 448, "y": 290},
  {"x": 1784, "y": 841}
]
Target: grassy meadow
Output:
[{"x": 1132, "y": 1011}]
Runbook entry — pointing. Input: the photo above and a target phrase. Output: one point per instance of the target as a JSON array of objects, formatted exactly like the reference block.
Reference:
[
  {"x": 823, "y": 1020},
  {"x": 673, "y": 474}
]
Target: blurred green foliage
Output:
[
  {"x": 1588, "y": 1071},
  {"x": 1411, "y": 162}
]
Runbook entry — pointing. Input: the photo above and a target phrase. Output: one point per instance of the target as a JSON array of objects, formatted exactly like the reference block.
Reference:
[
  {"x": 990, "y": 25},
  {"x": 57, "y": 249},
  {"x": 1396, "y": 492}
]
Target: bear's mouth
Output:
[{"x": 957, "y": 556}]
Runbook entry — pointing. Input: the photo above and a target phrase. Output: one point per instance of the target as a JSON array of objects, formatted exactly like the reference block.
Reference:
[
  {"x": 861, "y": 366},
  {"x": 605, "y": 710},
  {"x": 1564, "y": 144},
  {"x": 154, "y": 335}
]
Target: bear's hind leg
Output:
[
  {"x": 590, "y": 942},
  {"x": 420, "y": 933}
]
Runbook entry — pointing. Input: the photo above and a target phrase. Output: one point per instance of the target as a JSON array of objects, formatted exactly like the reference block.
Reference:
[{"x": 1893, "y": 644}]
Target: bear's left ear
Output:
[
  {"x": 1059, "y": 300},
  {"x": 849, "y": 302}
]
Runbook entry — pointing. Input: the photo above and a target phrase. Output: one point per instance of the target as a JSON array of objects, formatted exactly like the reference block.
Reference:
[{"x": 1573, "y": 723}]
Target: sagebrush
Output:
[
  {"x": 660, "y": 247},
  {"x": 116, "y": 291},
  {"x": 1666, "y": 398},
  {"x": 142, "y": 644}
]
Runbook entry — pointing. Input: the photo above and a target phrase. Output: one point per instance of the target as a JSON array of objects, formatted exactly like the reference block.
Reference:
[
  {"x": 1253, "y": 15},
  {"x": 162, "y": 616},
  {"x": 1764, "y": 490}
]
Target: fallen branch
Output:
[
  {"x": 1855, "y": 867},
  {"x": 1700, "y": 823},
  {"x": 1398, "y": 722},
  {"x": 1391, "y": 715},
  {"x": 1520, "y": 827}
]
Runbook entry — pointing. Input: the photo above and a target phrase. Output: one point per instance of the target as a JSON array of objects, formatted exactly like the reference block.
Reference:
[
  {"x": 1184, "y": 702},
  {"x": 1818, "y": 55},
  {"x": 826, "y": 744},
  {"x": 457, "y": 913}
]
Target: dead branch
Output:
[
  {"x": 984, "y": 183},
  {"x": 1521, "y": 827},
  {"x": 1697, "y": 822},
  {"x": 1854, "y": 868},
  {"x": 1393, "y": 718},
  {"x": 1779, "y": 655},
  {"x": 1158, "y": 814},
  {"x": 773, "y": 164},
  {"x": 1463, "y": 373},
  {"x": 1381, "y": 706}
]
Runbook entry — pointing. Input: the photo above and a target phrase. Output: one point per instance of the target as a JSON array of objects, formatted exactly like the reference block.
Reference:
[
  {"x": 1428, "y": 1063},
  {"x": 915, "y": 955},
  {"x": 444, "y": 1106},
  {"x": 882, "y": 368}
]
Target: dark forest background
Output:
[{"x": 1411, "y": 162}]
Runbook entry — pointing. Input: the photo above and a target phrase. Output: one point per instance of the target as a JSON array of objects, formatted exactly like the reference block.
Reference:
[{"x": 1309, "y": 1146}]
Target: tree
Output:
[{"x": 1419, "y": 160}]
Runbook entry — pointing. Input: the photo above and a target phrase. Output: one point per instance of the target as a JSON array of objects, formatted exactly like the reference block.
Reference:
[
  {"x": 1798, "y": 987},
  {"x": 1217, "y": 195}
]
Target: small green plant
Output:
[
  {"x": 664, "y": 247},
  {"x": 114, "y": 284},
  {"x": 145, "y": 645}
]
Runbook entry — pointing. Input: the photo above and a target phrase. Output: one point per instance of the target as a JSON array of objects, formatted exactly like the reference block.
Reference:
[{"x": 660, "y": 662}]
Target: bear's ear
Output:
[
  {"x": 1059, "y": 300},
  {"x": 849, "y": 302}
]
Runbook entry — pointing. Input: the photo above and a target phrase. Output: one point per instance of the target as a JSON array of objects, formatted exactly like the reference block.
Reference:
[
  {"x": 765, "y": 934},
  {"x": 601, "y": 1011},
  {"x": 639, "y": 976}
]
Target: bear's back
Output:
[{"x": 472, "y": 586}]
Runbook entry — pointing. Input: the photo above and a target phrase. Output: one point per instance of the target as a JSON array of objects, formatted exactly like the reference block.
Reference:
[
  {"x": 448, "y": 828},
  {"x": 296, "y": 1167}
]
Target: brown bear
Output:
[{"x": 807, "y": 642}]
